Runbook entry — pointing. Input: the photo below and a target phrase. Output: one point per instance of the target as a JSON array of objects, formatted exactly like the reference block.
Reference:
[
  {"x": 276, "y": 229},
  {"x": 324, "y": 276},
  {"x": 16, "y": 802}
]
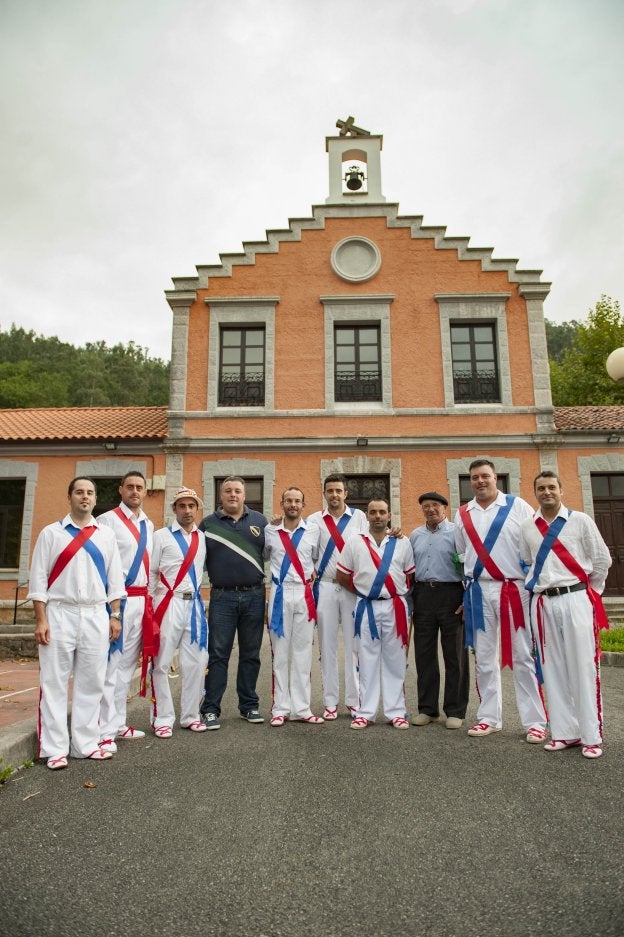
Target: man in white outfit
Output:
[
  {"x": 75, "y": 572},
  {"x": 134, "y": 534},
  {"x": 379, "y": 568},
  {"x": 175, "y": 579},
  {"x": 569, "y": 562},
  {"x": 291, "y": 547},
  {"x": 496, "y": 605},
  {"x": 335, "y": 604}
]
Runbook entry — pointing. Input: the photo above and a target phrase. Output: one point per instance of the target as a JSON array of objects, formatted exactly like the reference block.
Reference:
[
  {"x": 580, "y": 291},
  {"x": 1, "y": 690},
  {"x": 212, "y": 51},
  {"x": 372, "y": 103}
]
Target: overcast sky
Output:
[{"x": 142, "y": 137}]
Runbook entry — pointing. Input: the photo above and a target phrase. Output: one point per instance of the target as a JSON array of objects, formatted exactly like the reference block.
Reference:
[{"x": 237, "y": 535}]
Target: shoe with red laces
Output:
[
  {"x": 360, "y": 723},
  {"x": 535, "y": 735},
  {"x": 330, "y": 713},
  {"x": 591, "y": 751},
  {"x": 55, "y": 764},
  {"x": 481, "y": 729},
  {"x": 129, "y": 732},
  {"x": 400, "y": 723},
  {"x": 559, "y": 745},
  {"x": 277, "y": 721},
  {"x": 107, "y": 745}
]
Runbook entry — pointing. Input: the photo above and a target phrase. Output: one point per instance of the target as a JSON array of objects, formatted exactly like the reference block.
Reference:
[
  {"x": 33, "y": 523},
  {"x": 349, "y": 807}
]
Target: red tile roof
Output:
[
  {"x": 83, "y": 423},
  {"x": 589, "y": 418}
]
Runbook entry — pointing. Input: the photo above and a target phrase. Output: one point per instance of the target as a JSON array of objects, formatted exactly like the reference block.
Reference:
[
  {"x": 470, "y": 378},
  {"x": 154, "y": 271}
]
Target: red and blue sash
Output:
[
  {"x": 510, "y": 600},
  {"x": 335, "y": 540},
  {"x": 189, "y": 553},
  {"x": 291, "y": 557},
  {"x": 80, "y": 539},
  {"x": 140, "y": 557},
  {"x": 382, "y": 578}
]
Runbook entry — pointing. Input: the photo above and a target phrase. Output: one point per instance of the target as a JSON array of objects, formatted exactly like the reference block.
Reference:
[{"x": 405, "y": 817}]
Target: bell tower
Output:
[{"x": 354, "y": 165}]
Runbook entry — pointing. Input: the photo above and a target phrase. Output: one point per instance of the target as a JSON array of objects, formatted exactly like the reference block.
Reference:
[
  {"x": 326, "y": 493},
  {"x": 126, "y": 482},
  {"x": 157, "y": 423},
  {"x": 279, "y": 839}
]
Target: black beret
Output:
[{"x": 433, "y": 496}]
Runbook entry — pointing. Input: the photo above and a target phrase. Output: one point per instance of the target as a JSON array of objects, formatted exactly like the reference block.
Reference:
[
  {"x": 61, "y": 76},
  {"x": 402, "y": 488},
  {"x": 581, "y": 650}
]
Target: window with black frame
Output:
[
  {"x": 241, "y": 366},
  {"x": 475, "y": 363},
  {"x": 357, "y": 357}
]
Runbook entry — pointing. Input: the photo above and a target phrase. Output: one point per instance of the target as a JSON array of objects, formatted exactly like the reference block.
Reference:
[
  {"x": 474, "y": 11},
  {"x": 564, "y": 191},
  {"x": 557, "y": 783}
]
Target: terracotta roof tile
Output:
[
  {"x": 83, "y": 423},
  {"x": 589, "y": 418}
]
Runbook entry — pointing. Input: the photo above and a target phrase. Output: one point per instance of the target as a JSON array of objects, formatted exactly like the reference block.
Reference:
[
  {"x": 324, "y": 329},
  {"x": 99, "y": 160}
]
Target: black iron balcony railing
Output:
[
  {"x": 357, "y": 385},
  {"x": 476, "y": 388},
  {"x": 235, "y": 391}
]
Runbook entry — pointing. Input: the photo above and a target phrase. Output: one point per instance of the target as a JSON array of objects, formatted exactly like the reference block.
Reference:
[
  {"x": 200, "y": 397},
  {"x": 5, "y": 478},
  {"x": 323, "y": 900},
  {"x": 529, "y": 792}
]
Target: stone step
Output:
[
  {"x": 17, "y": 645},
  {"x": 23, "y": 627}
]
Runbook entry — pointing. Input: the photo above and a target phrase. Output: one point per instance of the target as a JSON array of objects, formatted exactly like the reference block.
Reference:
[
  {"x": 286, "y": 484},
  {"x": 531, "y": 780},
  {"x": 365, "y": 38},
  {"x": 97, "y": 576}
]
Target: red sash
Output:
[
  {"x": 600, "y": 616},
  {"x": 334, "y": 533},
  {"x": 69, "y": 552},
  {"x": 163, "y": 605},
  {"x": 293, "y": 556},
  {"x": 510, "y": 601},
  {"x": 400, "y": 614},
  {"x": 133, "y": 530}
]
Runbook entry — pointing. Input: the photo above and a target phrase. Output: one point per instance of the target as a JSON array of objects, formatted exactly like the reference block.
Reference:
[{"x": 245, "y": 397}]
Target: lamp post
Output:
[{"x": 615, "y": 365}]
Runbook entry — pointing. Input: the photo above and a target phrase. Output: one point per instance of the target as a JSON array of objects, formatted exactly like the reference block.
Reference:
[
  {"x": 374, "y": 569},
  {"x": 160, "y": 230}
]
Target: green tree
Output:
[
  {"x": 560, "y": 337},
  {"x": 580, "y": 379}
]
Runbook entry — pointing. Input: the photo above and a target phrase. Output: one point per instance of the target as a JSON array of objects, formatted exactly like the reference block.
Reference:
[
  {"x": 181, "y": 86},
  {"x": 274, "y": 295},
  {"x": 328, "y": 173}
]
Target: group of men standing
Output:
[{"x": 337, "y": 569}]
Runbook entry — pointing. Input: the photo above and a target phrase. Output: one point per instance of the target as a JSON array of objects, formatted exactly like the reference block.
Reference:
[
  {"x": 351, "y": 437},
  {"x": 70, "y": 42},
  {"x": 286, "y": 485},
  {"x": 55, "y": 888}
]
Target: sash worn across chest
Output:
[
  {"x": 140, "y": 558},
  {"x": 550, "y": 534},
  {"x": 80, "y": 538},
  {"x": 291, "y": 556},
  {"x": 336, "y": 541},
  {"x": 189, "y": 552},
  {"x": 510, "y": 600},
  {"x": 382, "y": 578}
]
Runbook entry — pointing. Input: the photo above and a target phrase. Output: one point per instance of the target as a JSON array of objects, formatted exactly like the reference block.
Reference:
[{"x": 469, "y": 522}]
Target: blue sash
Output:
[
  {"x": 132, "y": 574},
  {"x": 277, "y": 614},
  {"x": 198, "y": 606},
  {"x": 327, "y": 554},
  {"x": 473, "y": 596},
  {"x": 365, "y": 602},
  {"x": 545, "y": 547}
]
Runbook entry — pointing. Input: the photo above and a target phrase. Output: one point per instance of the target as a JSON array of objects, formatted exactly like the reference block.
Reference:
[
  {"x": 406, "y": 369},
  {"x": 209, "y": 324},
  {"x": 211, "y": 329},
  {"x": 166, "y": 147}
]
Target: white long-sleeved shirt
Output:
[
  {"x": 79, "y": 583},
  {"x": 357, "y": 525},
  {"x": 167, "y": 559},
  {"x": 505, "y": 552},
  {"x": 126, "y": 542},
  {"x": 307, "y": 550},
  {"x": 581, "y": 537}
]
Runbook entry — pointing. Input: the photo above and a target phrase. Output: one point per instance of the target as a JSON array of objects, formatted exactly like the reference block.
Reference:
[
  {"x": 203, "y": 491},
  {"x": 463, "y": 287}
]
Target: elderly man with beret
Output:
[{"x": 438, "y": 607}]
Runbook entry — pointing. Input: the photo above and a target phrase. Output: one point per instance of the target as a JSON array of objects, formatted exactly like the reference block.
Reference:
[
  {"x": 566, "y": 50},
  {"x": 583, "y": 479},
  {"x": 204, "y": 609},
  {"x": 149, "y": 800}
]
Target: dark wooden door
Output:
[{"x": 608, "y": 497}]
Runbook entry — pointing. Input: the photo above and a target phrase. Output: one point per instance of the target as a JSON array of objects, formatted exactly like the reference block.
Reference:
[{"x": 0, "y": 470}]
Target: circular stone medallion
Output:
[{"x": 356, "y": 259}]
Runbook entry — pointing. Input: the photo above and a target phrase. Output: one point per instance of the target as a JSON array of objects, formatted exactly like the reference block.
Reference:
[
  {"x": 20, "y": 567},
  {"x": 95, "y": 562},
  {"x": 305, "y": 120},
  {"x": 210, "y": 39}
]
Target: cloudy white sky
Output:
[{"x": 142, "y": 137}]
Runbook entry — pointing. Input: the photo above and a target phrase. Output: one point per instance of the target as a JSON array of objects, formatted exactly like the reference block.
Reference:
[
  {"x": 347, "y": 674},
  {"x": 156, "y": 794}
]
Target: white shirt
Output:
[
  {"x": 505, "y": 552},
  {"x": 79, "y": 583},
  {"x": 307, "y": 550},
  {"x": 581, "y": 537},
  {"x": 167, "y": 558},
  {"x": 357, "y": 525},
  {"x": 125, "y": 541},
  {"x": 356, "y": 561}
]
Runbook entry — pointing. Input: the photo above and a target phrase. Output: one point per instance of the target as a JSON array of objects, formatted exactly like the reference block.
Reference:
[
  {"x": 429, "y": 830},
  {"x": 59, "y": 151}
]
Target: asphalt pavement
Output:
[{"x": 258, "y": 832}]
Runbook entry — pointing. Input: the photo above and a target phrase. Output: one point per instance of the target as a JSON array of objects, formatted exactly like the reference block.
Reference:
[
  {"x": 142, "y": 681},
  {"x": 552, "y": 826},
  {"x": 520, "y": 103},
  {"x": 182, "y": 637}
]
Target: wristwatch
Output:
[{"x": 116, "y": 615}]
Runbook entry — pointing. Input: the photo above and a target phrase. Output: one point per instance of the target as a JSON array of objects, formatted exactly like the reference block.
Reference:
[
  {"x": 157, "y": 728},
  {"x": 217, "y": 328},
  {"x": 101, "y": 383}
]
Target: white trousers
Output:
[
  {"x": 383, "y": 663},
  {"x": 79, "y": 640},
  {"x": 120, "y": 670},
  {"x": 292, "y": 654},
  {"x": 335, "y": 608},
  {"x": 571, "y": 675},
  {"x": 175, "y": 633},
  {"x": 487, "y": 664}
]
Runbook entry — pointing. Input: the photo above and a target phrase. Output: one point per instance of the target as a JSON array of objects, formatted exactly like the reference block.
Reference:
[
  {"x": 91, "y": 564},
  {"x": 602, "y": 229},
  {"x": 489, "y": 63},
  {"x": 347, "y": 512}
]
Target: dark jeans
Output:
[
  {"x": 231, "y": 613},
  {"x": 434, "y": 612}
]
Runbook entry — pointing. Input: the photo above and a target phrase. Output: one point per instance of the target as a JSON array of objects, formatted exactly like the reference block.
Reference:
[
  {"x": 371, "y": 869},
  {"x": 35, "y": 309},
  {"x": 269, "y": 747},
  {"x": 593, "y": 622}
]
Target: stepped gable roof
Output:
[
  {"x": 569, "y": 419},
  {"x": 83, "y": 423}
]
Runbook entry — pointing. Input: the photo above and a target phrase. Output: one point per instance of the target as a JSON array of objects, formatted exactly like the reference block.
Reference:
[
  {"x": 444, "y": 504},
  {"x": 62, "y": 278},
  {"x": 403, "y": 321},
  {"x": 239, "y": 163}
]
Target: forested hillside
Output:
[{"x": 38, "y": 371}]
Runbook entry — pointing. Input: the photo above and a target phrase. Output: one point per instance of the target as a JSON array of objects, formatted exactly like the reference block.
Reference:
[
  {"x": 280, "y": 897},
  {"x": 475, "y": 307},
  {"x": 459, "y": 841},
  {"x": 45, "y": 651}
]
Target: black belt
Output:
[
  {"x": 258, "y": 585},
  {"x": 435, "y": 584},
  {"x": 562, "y": 590}
]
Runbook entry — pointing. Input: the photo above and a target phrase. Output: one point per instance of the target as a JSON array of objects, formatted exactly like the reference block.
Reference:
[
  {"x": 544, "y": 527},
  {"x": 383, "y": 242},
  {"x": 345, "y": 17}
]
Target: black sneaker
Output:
[
  {"x": 211, "y": 720},
  {"x": 252, "y": 716}
]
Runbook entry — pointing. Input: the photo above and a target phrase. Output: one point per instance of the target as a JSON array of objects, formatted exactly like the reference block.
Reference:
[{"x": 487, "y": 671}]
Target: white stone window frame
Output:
[
  {"x": 30, "y": 472},
  {"x": 457, "y": 467},
  {"x": 608, "y": 463},
  {"x": 343, "y": 310},
  {"x": 256, "y": 468},
  {"x": 256, "y": 311},
  {"x": 369, "y": 465},
  {"x": 472, "y": 308}
]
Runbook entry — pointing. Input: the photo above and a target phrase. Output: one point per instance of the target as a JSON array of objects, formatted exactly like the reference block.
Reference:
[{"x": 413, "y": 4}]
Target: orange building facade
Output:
[{"x": 356, "y": 341}]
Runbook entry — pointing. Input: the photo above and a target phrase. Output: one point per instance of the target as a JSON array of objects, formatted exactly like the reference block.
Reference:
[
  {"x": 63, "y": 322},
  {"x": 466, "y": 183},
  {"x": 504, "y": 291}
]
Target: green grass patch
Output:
[{"x": 612, "y": 640}]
